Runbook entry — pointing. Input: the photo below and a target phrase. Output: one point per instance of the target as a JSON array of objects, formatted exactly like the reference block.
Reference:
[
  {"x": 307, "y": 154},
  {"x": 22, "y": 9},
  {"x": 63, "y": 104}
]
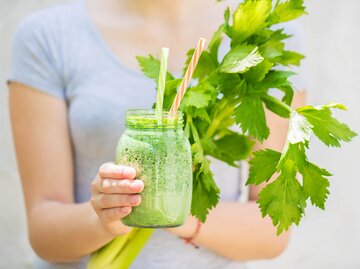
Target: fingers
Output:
[
  {"x": 111, "y": 170},
  {"x": 124, "y": 186},
  {"x": 106, "y": 201},
  {"x": 114, "y": 214}
]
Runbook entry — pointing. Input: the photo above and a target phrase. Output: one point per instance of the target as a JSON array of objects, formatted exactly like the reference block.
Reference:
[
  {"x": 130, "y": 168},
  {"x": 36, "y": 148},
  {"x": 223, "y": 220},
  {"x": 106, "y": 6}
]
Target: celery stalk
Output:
[
  {"x": 120, "y": 252},
  {"x": 108, "y": 253},
  {"x": 132, "y": 248}
]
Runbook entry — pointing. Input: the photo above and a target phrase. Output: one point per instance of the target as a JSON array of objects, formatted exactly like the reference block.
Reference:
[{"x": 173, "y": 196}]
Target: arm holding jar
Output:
[{"x": 61, "y": 230}]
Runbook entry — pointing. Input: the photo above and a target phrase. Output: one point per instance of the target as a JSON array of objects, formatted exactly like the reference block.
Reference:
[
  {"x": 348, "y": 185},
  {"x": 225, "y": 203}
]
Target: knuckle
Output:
[
  {"x": 124, "y": 186},
  {"x": 106, "y": 186},
  {"x": 105, "y": 200}
]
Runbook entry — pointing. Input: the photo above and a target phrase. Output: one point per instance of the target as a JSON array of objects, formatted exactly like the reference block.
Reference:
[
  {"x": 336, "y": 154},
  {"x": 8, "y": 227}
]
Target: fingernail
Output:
[
  {"x": 137, "y": 184},
  {"x": 134, "y": 199},
  {"x": 125, "y": 209}
]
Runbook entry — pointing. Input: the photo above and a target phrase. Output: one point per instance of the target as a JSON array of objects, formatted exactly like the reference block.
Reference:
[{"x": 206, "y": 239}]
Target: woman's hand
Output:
[{"x": 114, "y": 192}]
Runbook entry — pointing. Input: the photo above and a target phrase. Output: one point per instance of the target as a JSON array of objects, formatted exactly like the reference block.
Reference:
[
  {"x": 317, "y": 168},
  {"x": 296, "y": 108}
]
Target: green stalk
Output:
[
  {"x": 108, "y": 253},
  {"x": 282, "y": 109},
  {"x": 195, "y": 133},
  {"x": 133, "y": 247},
  {"x": 225, "y": 110},
  {"x": 120, "y": 252}
]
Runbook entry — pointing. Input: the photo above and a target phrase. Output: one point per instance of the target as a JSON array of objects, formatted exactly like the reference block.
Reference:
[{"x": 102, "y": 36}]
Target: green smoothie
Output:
[{"x": 160, "y": 152}]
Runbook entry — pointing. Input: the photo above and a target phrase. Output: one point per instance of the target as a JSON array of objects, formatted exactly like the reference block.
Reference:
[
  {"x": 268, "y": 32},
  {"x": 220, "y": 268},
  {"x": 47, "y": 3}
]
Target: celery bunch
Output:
[{"x": 235, "y": 89}]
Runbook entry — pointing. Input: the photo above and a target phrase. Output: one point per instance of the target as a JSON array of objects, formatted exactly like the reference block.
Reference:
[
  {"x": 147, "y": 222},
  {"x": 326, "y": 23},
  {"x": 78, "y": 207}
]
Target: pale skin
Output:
[{"x": 61, "y": 230}]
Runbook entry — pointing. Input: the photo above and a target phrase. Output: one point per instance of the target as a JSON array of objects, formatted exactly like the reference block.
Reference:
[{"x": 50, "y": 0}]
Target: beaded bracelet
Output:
[{"x": 190, "y": 239}]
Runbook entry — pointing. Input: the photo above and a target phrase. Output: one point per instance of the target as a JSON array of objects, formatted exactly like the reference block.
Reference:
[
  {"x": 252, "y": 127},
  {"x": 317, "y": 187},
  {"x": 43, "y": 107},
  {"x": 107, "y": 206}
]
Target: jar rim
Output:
[{"x": 147, "y": 118}]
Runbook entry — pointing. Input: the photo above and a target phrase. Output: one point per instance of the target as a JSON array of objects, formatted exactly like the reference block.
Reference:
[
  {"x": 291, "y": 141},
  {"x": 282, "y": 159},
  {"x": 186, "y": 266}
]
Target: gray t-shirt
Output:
[{"x": 58, "y": 51}]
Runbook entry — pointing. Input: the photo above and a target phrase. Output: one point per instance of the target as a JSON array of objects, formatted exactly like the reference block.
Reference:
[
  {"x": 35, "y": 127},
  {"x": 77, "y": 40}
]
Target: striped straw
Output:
[
  {"x": 188, "y": 74},
  {"x": 161, "y": 83}
]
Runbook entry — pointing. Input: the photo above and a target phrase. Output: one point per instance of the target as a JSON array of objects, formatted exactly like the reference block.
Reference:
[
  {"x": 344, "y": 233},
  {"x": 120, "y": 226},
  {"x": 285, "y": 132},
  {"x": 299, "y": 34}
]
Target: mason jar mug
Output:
[{"x": 160, "y": 152}]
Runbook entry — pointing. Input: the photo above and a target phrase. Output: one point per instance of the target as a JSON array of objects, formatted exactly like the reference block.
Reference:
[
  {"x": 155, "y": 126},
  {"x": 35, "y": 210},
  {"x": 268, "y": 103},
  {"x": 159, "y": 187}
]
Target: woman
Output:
[{"x": 73, "y": 77}]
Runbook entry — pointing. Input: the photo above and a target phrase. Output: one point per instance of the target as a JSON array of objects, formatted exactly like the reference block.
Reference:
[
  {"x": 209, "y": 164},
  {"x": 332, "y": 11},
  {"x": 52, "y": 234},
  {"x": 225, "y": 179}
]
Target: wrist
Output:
[{"x": 190, "y": 239}]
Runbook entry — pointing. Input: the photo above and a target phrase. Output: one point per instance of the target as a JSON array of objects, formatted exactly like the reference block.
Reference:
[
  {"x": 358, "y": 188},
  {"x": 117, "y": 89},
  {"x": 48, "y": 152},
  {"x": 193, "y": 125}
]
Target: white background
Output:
[{"x": 328, "y": 240}]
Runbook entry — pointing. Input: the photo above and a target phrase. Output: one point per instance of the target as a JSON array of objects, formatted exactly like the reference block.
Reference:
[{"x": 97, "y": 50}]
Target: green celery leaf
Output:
[
  {"x": 300, "y": 129},
  {"x": 263, "y": 166},
  {"x": 277, "y": 78},
  {"x": 315, "y": 185},
  {"x": 288, "y": 94},
  {"x": 197, "y": 153},
  {"x": 287, "y": 11},
  {"x": 231, "y": 85},
  {"x": 215, "y": 42},
  {"x": 258, "y": 72},
  {"x": 197, "y": 99},
  {"x": 205, "y": 66},
  {"x": 205, "y": 194},
  {"x": 240, "y": 58},
  {"x": 249, "y": 18},
  {"x": 199, "y": 113},
  {"x": 267, "y": 35},
  {"x": 250, "y": 115},
  {"x": 209, "y": 146},
  {"x": 279, "y": 35},
  {"x": 272, "y": 50},
  {"x": 199, "y": 96},
  {"x": 232, "y": 147},
  {"x": 328, "y": 129},
  {"x": 150, "y": 66},
  {"x": 227, "y": 28},
  {"x": 283, "y": 199},
  {"x": 294, "y": 154},
  {"x": 289, "y": 58}
]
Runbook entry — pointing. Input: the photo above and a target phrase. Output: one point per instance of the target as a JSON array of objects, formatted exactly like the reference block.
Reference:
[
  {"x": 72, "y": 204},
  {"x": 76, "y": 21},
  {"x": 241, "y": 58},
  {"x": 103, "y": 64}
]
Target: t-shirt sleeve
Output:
[{"x": 35, "y": 59}]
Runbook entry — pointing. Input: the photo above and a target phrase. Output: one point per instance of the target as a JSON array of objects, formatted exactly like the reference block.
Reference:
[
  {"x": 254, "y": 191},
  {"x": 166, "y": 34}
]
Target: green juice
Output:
[{"x": 161, "y": 154}]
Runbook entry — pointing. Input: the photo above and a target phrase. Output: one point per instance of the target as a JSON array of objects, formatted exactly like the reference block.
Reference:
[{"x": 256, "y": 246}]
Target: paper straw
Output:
[
  {"x": 161, "y": 83},
  {"x": 188, "y": 74}
]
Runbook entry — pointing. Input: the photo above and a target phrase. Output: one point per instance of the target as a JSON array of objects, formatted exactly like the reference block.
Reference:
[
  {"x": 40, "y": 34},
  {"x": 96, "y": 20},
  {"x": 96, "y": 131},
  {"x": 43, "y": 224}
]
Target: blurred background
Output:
[{"x": 327, "y": 239}]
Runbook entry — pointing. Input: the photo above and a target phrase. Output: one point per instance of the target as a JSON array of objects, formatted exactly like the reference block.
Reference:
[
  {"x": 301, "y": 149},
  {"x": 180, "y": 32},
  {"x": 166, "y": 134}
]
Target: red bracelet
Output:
[{"x": 190, "y": 239}]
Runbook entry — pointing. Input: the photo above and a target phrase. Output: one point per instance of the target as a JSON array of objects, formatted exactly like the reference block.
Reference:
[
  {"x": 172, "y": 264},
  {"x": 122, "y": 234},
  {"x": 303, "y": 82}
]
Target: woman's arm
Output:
[
  {"x": 235, "y": 230},
  {"x": 59, "y": 229}
]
